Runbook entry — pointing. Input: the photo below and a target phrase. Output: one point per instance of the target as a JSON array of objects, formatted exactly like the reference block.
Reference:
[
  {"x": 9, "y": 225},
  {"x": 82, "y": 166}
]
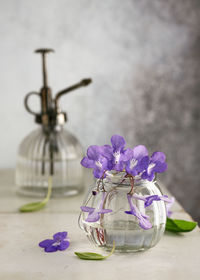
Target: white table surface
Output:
[{"x": 177, "y": 256}]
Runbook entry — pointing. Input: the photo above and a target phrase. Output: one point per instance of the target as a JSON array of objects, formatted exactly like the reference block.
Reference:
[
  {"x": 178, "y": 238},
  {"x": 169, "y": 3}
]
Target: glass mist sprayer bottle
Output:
[{"x": 50, "y": 149}]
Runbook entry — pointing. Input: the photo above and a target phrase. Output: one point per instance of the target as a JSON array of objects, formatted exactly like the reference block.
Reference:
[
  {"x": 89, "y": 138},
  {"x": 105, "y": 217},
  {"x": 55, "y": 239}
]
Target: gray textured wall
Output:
[{"x": 144, "y": 59}]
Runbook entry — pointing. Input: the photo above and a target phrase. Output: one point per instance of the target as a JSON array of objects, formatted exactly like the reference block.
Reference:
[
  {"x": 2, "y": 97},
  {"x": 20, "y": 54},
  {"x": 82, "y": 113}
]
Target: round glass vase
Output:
[{"x": 112, "y": 193}]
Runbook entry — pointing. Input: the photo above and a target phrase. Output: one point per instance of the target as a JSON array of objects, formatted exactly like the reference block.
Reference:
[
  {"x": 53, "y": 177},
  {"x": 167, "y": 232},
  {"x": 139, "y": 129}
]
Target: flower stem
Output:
[
  {"x": 49, "y": 190},
  {"x": 132, "y": 184},
  {"x": 35, "y": 206},
  {"x": 112, "y": 251},
  {"x": 101, "y": 181}
]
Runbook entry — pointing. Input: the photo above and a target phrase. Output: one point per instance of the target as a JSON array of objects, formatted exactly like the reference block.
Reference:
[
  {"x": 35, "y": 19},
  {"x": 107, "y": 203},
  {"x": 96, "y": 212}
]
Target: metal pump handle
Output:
[
  {"x": 26, "y": 102},
  {"x": 44, "y": 52}
]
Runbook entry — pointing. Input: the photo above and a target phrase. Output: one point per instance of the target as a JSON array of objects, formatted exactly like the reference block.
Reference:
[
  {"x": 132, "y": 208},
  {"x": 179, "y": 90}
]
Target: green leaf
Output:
[
  {"x": 89, "y": 256},
  {"x": 94, "y": 256},
  {"x": 179, "y": 225},
  {"x": 35, "y": 206},
  {"x": 30, "y": 207}
]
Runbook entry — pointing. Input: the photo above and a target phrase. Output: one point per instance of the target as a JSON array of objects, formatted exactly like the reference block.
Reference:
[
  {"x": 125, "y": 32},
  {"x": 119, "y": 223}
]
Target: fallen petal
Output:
[
  {"x": 63, "y": 245},
  {"x": 60, "y": 235},
  {"x": 51, "y": 249},
  {"x": 46, "y": 243}
]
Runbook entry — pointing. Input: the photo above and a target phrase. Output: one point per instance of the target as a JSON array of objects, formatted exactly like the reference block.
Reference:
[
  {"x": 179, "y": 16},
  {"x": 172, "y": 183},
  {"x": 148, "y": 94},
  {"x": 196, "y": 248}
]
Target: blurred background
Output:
[{"x": 144, "y": 59}]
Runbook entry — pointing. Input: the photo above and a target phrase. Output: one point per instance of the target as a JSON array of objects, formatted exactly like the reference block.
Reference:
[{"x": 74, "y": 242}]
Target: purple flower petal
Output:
[
  {"x": 118, "y": 142},
  {"x": 140, "y": 151},
  {"x": 60, "y": 235},
  {"x": 129, "y": 212},
  {"x": 63, "y": 245},
  {"x": 160, "y": 167},
  {"x": 156, "y": 164},
  {"x": 127, "y": 155},
  {"x": 98, "y": 173},
  {"x": 135, "y": 166},
  {"x": 143, "y": 164},
  {"x": 46, "y": 243},
  {"x": 94, "y": 213},
  {"x": 107, "y": 151},
  {"x": 104, "y": 163},
  {"x": 145, "y": 216},
  {"x": 165, "y": 198},
  {"x": 93, "y": 217},
  {"x": 158, "y": 156},
  {"x": 143, "y": 219},
  {"x": 88, "y": 163},
  {"x": 144, "y": 223},
  {"x": 119, "y": 166},
  {"x": 139, "y": 160},
  {"x": 115, "y": 155},
  {"x": 100, "y": 167},
  {"x": 94, "y": 152},
  {"x": 131, "y": 167},
  {"x": 150, "y": 199},
  {"x": 87, "y": 209},
  {"x": 51, "y": 249},
  {"x": 104, "y": 211},
  {"x": 147, "y": 176}
]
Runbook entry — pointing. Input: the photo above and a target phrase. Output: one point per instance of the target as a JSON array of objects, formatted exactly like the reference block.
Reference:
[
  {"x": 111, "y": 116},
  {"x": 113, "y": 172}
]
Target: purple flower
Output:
[
  {"x": 94, "y": 213},
  {"x": 59, "y": 242},
  {"x": 95, "y": 160},
  {"x": 156, "y": 164},
  {"x": 143, "y": 219},
  {"x": 115, "y": 157},
  {"x": 139, "y": 160},
  {"x": 116, "y": 154}
]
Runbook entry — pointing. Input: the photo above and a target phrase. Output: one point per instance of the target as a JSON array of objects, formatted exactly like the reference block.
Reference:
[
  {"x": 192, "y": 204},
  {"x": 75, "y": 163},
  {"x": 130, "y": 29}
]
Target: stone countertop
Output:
[{"x": 177, "y": 256}]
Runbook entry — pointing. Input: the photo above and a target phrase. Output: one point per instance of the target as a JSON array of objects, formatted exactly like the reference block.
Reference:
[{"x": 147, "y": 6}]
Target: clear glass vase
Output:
[
  {"x": 56, "y": 152},
  {"x": 118, "y": 226}
]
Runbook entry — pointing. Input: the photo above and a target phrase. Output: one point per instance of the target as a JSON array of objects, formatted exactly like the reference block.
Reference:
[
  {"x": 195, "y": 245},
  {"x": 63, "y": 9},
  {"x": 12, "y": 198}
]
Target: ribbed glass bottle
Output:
[{"x": 42, "y": 153}]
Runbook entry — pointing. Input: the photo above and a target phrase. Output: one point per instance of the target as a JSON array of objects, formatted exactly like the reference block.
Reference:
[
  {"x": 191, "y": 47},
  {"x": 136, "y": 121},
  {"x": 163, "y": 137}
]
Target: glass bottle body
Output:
[
  {"x": 120, "y": 227},
  {"x": 49, "y": 152}
]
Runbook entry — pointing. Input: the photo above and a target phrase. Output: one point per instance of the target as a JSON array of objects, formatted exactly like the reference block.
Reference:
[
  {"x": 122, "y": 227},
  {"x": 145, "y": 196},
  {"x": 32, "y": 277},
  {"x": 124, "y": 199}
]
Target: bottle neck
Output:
[
  {"x": 47, "y": 129},
  {"x": 121, "y": 179}
]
